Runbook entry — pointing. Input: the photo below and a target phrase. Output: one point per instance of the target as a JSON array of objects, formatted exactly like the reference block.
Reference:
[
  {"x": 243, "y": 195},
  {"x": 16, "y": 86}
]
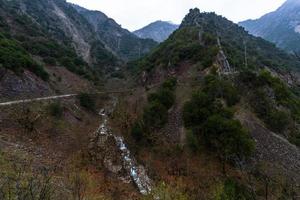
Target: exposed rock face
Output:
[
  {"x": 280, "y": 26},
  {"x": 120, "y": 41},
  {"x": 63, "y": 23},
  {"x": 27, "y": 86},
  {"x": 104, "y": 151},
  {"x": 273, "y": 149},
  {"x": 91, "y": 33},
  {"x": 106, "y": 154},
  {"x": 222, "y": 62},
  {"x": 175, "y": 128},
  {"x": 81, "y": 44},
  {"x": 158, "y": 31}
]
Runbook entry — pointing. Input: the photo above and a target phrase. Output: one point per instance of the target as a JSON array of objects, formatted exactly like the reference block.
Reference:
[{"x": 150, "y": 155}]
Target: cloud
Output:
[{"x": 134, "y": 14}]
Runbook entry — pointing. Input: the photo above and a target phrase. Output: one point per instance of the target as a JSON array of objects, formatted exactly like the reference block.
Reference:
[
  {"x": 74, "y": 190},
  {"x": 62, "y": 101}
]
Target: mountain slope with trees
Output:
[
  {"x": 235, "y": 99},
  {"x": 47, "y": 35},
  {"x": 122, "y": 42},
  {"x": 214, "y": 113}
]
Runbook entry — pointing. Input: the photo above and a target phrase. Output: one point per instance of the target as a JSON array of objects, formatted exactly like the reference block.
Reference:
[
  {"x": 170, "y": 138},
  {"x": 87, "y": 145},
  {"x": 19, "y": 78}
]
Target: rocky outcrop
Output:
[
  {"x": 27, "y": 85},
  {"x": 81, "y": 43},
  {"x": 273, "y": 149},
  {"x": 174, "y": 129},
  {"x": 105, "y": 152},
  {"x": 222, "y": 62},
  {"x": 120, "y": 41}
]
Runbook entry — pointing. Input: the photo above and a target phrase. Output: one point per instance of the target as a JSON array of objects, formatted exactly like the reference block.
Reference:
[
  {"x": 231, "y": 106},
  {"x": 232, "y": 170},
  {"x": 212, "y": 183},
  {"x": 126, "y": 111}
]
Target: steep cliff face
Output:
[
  {"x": 66, "y": 25},
  {"x": 89, "y": 35},
  {"x": 158, "y": 31},
  {"x": 36, "y": 35},
  {"x": 280, "y": 26},
  {"x": 35, "y": 38},
  {"x": 120, "y": 41}
]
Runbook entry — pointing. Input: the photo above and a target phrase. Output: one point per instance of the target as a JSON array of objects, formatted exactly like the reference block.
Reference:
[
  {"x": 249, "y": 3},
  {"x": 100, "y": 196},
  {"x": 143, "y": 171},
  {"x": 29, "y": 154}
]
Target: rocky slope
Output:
[
  {"x": 120, "y": 41},
  {"x": 31, "y": 44},
  {"x": 39, "y": 36},
  {"x": 280, "y": 27},
  {"x": 158, "y": 31}
]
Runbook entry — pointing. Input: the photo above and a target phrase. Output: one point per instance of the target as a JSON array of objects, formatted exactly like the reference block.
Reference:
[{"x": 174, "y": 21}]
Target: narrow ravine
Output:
[{"x": 136, "y": 172}]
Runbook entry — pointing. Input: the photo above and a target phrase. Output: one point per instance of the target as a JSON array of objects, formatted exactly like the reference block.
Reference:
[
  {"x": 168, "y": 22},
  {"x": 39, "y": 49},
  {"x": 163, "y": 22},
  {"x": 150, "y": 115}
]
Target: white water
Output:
[{"x": 137, "y": 173}]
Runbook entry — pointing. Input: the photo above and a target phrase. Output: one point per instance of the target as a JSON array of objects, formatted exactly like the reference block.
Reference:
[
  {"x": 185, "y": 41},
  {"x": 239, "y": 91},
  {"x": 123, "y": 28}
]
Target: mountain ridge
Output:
[
  {"x": 158, "y": 30},
  {"x": 117, "y": 39},
  {"x": 280, "y": 26}
]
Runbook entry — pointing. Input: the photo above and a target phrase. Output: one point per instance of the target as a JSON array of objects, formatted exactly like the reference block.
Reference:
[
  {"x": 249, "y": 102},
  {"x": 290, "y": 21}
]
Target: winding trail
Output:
[{"x": 9, "y": 103}]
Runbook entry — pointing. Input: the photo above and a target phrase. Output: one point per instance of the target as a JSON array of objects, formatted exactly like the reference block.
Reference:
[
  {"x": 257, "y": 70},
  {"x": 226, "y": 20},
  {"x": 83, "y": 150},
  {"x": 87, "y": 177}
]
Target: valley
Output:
[{"x": 92, "y": 111}]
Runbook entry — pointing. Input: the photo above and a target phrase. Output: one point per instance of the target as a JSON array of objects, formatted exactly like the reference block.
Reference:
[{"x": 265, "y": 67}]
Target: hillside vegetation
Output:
[{"x": 231, "y": 91}]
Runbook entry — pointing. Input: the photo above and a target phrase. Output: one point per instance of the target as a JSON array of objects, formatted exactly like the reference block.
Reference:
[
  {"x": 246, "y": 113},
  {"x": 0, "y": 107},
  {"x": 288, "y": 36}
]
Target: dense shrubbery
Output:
[
  {"x": 103, "y": 56},
  {"x": 47, "y": 41},
  {"x": 271, "y": 99},
  {"x": 183, "y": 45},
  {"x": 233, "y": 38},
  {"x": 212, "y": 123},
  {"x": 273, "y": 102},
  {"x": 227, "y": 137},
  {"x": 217, "y": 87},
  {"x": 49, "y": 61},
  {"x": 33, "y": 39},
  {"x": 132, "y": 48},
  {"x": 53, "y": 53},
  {"x": 155, "y": 114},
  {"x": 17, "y": 182},
  {"x": 232, "y": 190},
  {"x": 166, "y": 192},
  {"x": 15, "y": 58},
  {"x": 87, "y": 101},
  {"x": 56, "y": 110}
]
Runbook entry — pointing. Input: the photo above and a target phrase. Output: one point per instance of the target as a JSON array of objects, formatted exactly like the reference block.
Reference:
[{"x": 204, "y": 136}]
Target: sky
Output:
[{"x": 135, "y": 14}]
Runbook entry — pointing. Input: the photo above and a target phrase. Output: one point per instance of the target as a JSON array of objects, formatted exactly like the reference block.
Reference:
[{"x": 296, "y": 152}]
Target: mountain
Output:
[
  {"x": 211, "y": 113},
  {"x": 44, "y": 52},
  {"x": 281, "y": 27},
  {"x": 158, "y": 31},
  {"x": 125, "y": 44},
  {"x": 219, "y": 91},
  {"x": 37, "y": 36},
  {"x": 201, "y": 28}
]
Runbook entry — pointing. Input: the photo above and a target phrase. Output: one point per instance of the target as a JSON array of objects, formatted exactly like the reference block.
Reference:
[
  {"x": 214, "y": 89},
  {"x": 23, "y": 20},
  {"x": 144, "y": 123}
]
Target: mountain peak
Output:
[
  {"x": 281, "y": 27},
  {"x": 158, "y": 30}
]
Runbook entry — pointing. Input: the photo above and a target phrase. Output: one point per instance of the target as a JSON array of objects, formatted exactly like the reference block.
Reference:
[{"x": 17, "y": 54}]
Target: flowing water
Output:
[{"x": 136, "y": 172}]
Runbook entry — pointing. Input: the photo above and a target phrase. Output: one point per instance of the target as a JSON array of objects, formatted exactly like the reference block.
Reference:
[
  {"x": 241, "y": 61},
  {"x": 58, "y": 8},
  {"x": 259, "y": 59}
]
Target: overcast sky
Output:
[{"x": 134, "y": 14}]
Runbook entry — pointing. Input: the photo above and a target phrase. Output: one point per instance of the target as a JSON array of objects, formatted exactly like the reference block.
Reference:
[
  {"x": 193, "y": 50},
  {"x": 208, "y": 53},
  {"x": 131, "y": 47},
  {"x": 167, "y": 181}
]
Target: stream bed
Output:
[{"x": 135, "y": 171}]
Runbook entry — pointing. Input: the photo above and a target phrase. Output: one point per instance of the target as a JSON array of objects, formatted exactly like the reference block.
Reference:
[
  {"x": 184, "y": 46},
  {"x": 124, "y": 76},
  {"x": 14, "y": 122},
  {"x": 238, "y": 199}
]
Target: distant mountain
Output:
[
  {"x": 281, "y": 26},
  {"x": 158, "y": 31}
]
